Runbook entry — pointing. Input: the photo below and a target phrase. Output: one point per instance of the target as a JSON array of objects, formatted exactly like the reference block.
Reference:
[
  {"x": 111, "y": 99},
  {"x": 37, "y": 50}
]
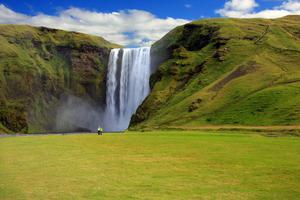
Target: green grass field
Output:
[{"x": 154, "y": 165}]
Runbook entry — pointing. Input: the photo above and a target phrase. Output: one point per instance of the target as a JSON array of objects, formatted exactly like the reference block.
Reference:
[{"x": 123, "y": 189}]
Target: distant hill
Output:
[
  {"x": 225, "y": 72},
  {"x": 38, "y": 66}
]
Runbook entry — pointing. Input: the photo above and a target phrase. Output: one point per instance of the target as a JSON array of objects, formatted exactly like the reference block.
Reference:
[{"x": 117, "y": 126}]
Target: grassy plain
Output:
[{"x": 150, "y": 165}]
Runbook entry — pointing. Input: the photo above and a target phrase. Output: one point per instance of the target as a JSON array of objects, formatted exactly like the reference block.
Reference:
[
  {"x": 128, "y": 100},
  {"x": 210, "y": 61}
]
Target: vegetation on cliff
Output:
[
  {"x": 225, "y": 71},
  {"x": 38, "y": 66}
]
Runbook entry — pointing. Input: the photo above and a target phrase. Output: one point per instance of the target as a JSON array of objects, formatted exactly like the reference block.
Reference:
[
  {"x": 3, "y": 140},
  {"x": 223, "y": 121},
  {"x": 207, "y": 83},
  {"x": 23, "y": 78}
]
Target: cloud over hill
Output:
[{"x": 126, "y": 27}]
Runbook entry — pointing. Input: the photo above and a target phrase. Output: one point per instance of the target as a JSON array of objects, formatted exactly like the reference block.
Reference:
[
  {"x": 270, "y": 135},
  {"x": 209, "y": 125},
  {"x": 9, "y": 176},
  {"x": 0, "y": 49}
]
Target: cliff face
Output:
[
  {"x": 225, "y": 71},
  {"x": 38, "y": 66}
]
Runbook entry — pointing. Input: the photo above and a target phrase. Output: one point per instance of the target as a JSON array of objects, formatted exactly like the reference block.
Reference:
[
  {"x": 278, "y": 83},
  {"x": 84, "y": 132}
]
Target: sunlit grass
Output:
[{"x": 152, "y": 165}]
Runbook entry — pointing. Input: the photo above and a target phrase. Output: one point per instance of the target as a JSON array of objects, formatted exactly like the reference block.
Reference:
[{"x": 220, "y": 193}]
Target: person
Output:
[{"x": 100, "y": 131}]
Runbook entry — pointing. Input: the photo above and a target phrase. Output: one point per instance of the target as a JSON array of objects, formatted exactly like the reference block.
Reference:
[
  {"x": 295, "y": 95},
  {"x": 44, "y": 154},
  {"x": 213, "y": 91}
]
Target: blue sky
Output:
[
  {"x": 134, "y": 22},
  {"x": 188, "y": 9}
]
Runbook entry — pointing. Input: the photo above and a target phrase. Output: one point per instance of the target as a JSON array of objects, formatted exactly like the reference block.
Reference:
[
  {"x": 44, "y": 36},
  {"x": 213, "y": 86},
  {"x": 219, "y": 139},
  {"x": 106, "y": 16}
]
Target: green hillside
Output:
[
  {"x": 38, "y": 65},
  {"x": 225, "y": 72}
]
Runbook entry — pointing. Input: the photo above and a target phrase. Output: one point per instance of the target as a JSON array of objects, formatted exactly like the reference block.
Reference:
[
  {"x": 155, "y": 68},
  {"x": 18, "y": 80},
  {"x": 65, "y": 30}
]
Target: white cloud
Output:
[
  {"x": 9, "y": 16},
  {"x": 245, "y": 9},
  {"x": 240, "y": 5},
  {"x": 188, "y": 5},
  {"x": 292, "y": 5},
  {"x": 126, "y": 27}
]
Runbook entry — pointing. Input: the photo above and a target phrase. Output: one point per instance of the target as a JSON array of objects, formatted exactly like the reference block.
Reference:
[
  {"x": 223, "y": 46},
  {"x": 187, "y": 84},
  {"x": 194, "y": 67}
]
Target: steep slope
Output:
[
  {"x": 38, "y": 66},
  {"x": 225, "y": 71}
]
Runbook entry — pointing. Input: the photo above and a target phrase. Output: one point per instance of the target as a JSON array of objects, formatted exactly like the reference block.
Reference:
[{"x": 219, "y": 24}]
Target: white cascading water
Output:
[{"x": 127, "y": 85}]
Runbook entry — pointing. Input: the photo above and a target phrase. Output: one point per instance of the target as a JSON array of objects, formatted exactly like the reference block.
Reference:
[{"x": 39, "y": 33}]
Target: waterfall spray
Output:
[{"x": 127, "y": 85}]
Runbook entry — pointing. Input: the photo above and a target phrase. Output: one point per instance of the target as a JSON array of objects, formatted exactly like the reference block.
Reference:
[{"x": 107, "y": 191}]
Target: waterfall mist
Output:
[
  {"x": 78, "y": 114},
  {"x": 127, "y": 85}
]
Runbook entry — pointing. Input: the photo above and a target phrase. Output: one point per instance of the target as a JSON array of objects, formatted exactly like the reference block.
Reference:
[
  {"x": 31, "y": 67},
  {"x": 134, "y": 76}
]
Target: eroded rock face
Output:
[
  {"x": 88, "y": 67},
  {"x": 195, "y": 37},
  {"x": 14, "y": 118},
  {"x": 38, "y": 66}
]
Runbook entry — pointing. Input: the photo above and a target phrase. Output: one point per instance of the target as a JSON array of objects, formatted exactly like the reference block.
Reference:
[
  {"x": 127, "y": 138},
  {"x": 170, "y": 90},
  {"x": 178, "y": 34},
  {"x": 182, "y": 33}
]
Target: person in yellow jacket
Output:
[{"x": 100, "y": 130}]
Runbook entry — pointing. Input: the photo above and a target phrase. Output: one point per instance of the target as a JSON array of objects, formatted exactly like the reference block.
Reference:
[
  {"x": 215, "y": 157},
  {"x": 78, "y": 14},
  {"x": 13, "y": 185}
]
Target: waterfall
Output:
[{"x": 127, "y": 85}]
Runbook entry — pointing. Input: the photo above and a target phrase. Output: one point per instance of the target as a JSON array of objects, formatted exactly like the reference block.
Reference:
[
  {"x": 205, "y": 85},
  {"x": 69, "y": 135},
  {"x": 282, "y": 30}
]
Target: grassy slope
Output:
[
  {"x": 37, "y": 65},
  {"x": 161, "y": 165},
  {"x": 246, "y": 73}
]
